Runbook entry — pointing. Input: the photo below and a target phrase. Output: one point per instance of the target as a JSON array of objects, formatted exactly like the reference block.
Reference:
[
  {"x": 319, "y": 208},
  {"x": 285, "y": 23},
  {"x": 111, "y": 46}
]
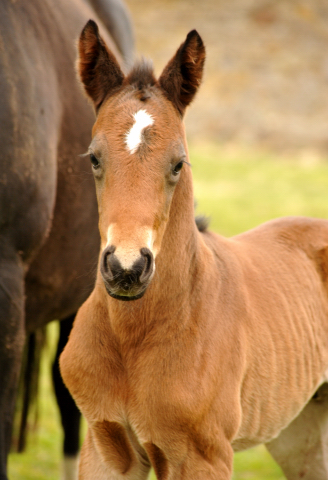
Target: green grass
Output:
[{"x": 238, "y": 190}]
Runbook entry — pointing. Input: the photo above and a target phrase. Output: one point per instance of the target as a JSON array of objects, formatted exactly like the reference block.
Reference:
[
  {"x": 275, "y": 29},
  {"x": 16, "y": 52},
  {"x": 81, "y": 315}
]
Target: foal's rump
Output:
[{"x": 284, "y": 264}]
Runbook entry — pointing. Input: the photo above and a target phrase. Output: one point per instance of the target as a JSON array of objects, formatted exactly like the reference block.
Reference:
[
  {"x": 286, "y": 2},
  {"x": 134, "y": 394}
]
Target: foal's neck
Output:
[
  {"x": 181, "y": 236},
  {"x": 174, "y": 271}
]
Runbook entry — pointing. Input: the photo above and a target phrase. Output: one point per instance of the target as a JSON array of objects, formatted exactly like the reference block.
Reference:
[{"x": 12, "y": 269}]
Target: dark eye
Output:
[
  {"x": 177, "y": 168},
  {"x": 94, "y": 161}
]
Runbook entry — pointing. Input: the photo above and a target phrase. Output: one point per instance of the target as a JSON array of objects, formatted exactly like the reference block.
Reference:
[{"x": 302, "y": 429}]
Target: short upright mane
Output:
[
  {"x": 142, "y": 74},
  {"x": 142, "y": 78}
]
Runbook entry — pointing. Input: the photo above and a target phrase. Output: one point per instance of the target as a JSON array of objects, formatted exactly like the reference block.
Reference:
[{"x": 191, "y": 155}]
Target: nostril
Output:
[
  {"x": 148, "y": 267},
  {"x": 111, "y": 249},
  {"x": 106, "y": 261}
]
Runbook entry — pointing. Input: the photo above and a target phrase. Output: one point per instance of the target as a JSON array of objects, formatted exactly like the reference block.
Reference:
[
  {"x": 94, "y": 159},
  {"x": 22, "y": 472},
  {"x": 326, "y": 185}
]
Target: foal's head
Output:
[{"x": 137, "y": 153}]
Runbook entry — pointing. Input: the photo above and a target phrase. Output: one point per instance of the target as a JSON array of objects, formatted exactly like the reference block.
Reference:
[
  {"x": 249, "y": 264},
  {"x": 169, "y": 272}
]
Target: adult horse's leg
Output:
[
  {"x": 301, "y": 449},
  {"x": 70, "y": 414},
  {"x": 11, "y": 345}
]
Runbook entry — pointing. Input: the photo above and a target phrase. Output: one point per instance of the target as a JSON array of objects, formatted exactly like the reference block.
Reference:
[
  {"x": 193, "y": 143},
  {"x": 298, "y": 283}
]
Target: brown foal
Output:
[{"x": 191, "y": 346}]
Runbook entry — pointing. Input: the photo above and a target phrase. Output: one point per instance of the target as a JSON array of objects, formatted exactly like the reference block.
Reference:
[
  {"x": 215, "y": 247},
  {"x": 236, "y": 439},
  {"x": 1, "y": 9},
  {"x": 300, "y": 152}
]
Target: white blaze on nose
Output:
[
  {"x": 134, "y": 136},
  {"x": 128, "y": 251}
]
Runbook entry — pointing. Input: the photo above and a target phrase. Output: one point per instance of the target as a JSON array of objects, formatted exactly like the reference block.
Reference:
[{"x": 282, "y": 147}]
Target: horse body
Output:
[
  {"x": 56, "y": 289},
  {"x": 191, "y": 345},
  {"x": 44, "y": 211}
]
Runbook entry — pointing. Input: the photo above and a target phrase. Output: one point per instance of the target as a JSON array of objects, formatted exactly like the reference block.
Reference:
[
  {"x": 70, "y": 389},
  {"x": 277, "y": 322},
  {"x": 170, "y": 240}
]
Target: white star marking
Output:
[{"x": 134, "y": 136}]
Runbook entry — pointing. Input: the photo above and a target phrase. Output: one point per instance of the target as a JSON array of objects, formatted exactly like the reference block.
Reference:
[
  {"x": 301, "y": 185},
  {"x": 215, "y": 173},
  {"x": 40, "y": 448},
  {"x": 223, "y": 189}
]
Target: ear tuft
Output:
[
  {"x": 99, "y": 70},
  {"x": 182, "y": 76}
]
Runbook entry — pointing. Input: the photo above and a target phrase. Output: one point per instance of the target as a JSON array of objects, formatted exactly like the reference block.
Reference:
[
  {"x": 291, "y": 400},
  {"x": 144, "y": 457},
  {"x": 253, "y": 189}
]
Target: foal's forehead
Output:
[{"x": 133, "y": 122}]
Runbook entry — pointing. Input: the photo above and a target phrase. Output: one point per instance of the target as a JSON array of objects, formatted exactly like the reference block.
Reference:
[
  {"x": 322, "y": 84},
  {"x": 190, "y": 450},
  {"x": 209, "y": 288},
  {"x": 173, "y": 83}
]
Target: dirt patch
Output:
[{"x": 266, "y": 78}]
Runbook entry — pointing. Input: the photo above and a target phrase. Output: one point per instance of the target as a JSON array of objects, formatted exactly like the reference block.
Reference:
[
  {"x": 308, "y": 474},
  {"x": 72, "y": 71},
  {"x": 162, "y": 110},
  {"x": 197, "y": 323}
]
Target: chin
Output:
[{"x": 126, "y": 298}]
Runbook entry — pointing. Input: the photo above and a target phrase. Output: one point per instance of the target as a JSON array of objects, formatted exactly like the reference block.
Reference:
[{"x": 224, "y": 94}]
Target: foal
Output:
[{"x": 191, "y": 346}]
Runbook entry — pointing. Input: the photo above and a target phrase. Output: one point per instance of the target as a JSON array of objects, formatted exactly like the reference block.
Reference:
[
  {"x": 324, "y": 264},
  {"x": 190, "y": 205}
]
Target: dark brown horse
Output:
[
  {"x": 48, "y": 213},
  {"x": 191, "y": 346}
]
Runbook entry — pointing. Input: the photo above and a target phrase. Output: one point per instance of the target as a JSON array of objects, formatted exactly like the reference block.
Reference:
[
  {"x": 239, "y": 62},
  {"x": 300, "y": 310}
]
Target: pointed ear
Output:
[
  {"x": 98, "y": 68},
  {"x": 183, "y": 74}
]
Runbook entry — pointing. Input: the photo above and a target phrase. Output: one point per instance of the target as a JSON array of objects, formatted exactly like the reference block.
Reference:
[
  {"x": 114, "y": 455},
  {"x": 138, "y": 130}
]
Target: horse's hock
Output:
[{"x": 266, "y": 71}]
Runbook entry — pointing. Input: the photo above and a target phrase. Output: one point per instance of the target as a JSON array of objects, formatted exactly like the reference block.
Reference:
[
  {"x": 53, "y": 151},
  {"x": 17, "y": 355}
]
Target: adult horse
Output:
[
  {"x": 221, "y": 347},
  {"x": 47, "y": 200}
]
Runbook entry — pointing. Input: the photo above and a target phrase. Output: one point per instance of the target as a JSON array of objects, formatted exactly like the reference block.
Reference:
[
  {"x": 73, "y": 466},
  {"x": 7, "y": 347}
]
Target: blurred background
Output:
[
  {"x": 258, "y": 137},
  {"x": 266, "y": 75}
]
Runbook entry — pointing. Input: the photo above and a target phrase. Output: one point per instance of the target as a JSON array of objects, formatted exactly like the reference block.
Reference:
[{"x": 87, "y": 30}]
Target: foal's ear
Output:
[
  {"x": 98, "y": 68},
  {"x": 182, "y": 75}
]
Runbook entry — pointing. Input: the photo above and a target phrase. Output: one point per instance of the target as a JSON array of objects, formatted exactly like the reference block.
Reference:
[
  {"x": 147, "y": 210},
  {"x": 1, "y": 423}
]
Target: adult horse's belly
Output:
[{"x": 62, "y": 275}]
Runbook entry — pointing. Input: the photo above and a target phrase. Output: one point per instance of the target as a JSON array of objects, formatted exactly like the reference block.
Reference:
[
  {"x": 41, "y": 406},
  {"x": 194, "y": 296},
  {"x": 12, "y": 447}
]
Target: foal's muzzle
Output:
[{"x": 126, "y": 283}]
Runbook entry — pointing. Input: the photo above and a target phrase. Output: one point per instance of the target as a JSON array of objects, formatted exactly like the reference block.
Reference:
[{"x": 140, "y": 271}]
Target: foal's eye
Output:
[
  {"x": 94, "y": 161},
  {"x": 177, "y": 168}
]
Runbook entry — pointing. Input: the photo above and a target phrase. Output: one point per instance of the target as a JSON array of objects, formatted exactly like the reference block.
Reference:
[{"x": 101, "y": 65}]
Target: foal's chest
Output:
[
  {"x": 145, "y": 399},
  {"x": 149, "y": 415}
]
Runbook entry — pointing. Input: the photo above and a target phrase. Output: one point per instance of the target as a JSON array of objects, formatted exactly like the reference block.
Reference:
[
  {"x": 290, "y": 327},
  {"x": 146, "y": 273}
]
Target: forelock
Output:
[{"x": 142, "y": 78}]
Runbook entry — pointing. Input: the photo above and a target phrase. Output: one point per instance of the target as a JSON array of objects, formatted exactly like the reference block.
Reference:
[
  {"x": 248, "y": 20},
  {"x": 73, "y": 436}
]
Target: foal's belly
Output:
[{"x": 267, "y": 411}]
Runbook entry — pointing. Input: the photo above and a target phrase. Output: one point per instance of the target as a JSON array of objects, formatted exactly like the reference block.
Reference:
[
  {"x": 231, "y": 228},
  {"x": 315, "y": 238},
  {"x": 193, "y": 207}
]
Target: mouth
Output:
[
  {"x": 126, "y": 298},
  {"x": 124, "y": 295}
]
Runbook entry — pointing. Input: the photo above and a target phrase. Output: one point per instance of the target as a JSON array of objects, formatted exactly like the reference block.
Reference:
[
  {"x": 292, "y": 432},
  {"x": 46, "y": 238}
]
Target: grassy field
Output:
[{"x": 237, "y": 190}]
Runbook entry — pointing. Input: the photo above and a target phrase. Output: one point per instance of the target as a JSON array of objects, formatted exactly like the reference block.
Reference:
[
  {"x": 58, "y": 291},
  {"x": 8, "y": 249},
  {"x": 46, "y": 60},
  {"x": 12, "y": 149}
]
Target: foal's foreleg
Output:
[
  {"x": 103, "y": 458},
  {"x": 192, "y": 460},
  {"x": 198, "y": 468},
  {"x": 301, "y": 449}
]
